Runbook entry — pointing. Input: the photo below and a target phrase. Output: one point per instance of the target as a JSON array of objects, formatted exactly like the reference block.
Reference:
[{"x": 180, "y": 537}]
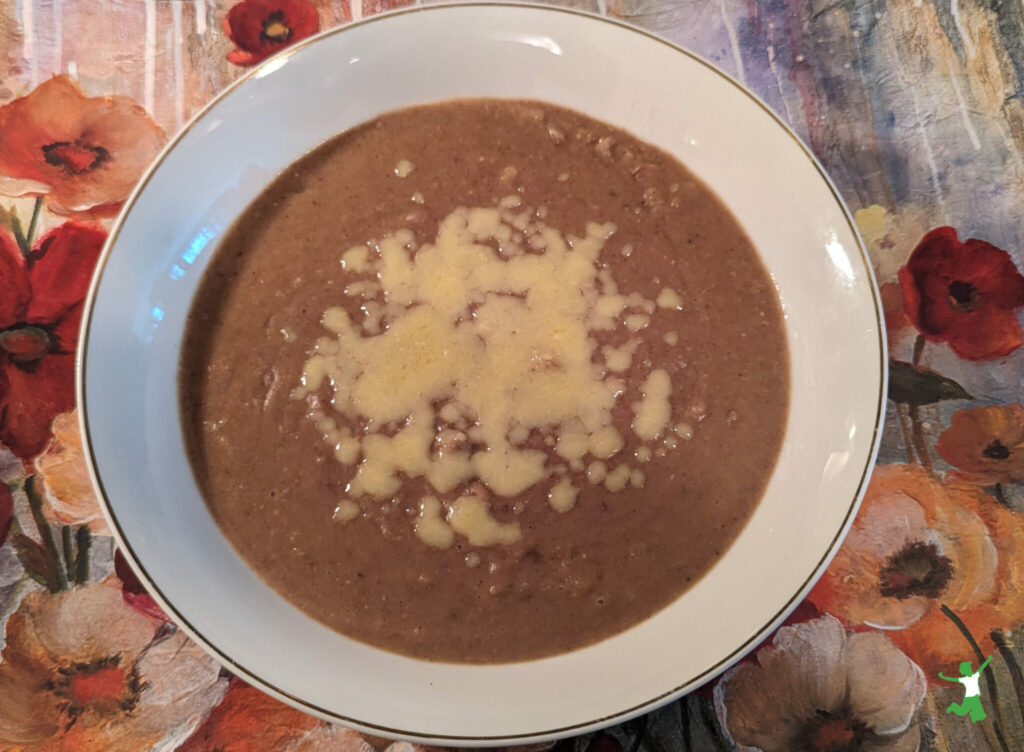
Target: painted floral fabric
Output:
[{"x": 916, "y": 110}]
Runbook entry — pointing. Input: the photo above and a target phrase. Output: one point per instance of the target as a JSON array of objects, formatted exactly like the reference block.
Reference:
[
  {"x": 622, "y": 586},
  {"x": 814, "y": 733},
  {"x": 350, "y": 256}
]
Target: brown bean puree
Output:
[{"x": 483, "y": 381}]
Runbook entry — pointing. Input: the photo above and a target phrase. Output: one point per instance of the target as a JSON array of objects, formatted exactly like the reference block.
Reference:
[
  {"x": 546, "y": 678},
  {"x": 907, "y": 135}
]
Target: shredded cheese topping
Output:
[{"x": 471, "y": 345}]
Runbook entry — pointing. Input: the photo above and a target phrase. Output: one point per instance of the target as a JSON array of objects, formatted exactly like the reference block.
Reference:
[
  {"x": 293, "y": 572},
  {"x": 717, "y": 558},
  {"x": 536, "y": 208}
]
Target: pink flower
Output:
[
  {"x": 818, "y": 687},
  {"x": 82, "y": 672}
]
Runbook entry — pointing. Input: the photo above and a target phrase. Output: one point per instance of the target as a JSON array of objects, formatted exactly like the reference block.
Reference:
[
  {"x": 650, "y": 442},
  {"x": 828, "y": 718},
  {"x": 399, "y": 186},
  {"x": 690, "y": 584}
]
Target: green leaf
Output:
[
  {"x": 59, "y": 581},
  {"x": 36, "y": 561},
  {"x": 914, "y": 385}
]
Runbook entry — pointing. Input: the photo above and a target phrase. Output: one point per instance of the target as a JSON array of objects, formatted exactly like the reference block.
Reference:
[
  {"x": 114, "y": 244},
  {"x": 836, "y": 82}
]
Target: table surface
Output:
[{"x": 914, "y": 108}]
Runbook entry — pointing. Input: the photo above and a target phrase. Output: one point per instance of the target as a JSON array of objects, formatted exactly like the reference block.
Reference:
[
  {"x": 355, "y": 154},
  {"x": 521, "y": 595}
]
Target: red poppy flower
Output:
[
  {"x": 83, "y": 153},
  {"x": 964, "y": 294},
  {"x": 40, "y": 309},
  {"x": 262, "y": 27},
  {"x": 6, "y": 511},
  {"x": 896, "y": 322}
]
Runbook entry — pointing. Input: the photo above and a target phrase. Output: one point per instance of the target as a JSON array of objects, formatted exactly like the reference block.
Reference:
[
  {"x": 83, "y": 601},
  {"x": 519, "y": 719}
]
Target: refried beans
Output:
[{"x": 483, "y": 381}]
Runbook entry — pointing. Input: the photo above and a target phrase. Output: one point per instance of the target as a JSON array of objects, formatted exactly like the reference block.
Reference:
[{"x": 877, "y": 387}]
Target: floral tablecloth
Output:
[{"x": 916, "y": 109}]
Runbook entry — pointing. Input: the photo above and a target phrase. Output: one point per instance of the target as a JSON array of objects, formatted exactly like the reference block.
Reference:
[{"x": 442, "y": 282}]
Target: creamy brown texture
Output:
[{"x": 605, "y": 559}]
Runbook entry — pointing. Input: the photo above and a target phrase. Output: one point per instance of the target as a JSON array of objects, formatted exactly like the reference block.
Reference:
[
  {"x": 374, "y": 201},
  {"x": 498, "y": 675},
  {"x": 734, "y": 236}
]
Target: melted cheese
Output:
[
  {"x": 346, "y": 448},
  {"x": 346, "y": 511},
  {"x": 470, "y": 344},
  {"x": 617, "y": 479},
  {"x": 652, "y": 413},
  {"x": 669, "y": 298},
  {"x": 430, "y": 525},
  {"x": 638, "y": 321},
  {"x": 596, "y": 472},
  {"x": 619, "y": 359},
  {"x": 356, "y": 259},
  {"x": 470, "y": 516},
  {"x": 562, "y": 496},
  {"x": 606, "y": 442},
  {"x": 684, "y": 431}
]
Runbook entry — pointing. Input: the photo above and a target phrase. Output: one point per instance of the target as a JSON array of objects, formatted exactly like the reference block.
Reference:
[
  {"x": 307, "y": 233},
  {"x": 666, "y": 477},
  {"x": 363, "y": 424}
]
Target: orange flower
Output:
[
  {"x": 917, "y": 545},
  {"x": 64, "y": 478},
  {"x": 249, "y": 721},
  {"x": 986, "y": 444},
  {"x": 84, "y": 153},
  {"x": 83, "y": 672}
]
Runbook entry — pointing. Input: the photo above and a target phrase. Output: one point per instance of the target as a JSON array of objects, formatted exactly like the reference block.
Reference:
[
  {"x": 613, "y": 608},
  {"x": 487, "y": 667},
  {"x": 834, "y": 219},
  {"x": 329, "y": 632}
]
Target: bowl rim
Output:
[{"x": 266, "y": 67}]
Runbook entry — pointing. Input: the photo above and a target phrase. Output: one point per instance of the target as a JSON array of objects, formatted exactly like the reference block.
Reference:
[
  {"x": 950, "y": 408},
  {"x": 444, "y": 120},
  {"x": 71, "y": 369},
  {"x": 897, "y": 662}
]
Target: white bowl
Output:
[{"x": 226, "y": 156}]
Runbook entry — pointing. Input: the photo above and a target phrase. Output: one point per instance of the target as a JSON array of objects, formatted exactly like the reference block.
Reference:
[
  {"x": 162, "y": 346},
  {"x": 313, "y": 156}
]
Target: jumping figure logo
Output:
[{"x": 971, "y": 706}]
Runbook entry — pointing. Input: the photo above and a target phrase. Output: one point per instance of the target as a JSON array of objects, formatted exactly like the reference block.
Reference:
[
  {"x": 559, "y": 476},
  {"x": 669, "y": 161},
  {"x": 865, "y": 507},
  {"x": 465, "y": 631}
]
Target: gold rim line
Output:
[{"x": 546, "y": 734}]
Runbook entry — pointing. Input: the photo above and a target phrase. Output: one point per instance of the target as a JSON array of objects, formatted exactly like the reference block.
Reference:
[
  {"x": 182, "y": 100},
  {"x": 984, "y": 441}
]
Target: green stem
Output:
[
  {"x": 83, "y": 539},
  {"x": 1016, "y": 675},
  {"x": 33, "y": 223},
  {"x": 69, "y": 551},
  {"x": 41, "y": 579},
  {"x": 917, "y": 434},
  {"x": 918, "y": 349},
  {"x": 990, "y": 679},
  {"x": 19, "y": 234},
  {"x": 59, "y": 580},
  {"x": 903, "y": 418}
]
